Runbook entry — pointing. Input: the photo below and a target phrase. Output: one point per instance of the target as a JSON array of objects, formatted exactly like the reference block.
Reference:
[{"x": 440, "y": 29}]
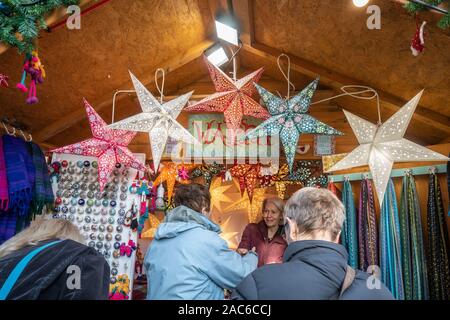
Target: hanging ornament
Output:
[
  {"x": 226, "y": 175},
  {"x": 157, "y": 119},
  {"x": 35, "y": 69},
  {"x": 331, "y": 160},
  {"x": 120, "y": 290},
  {"x": 182, "y": 174},
  {"x": 233, "y": 98},
  {"x": 278, "y": 180},
  {"x": 418, "y": 41},
  {"x": 160, "y": 198},
  {"x": 143, "y": 190},
  {"x": 253, "y": 207},
  {"x": 290, "y": 119},
  {"x": 218, "y": 195},
  {"x": 382, "y": 145},
  {"x": 207, "y": 172},
  {"x": 109, "y": 146},
  {"x": 169, "y": 174},
  {"x": 4, "y": 81},
  {"x": 303, "y": 149},
  {"x": 247, "y": 174}
]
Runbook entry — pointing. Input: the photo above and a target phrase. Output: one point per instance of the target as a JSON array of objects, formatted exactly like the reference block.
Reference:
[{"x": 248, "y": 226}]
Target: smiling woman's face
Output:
[{"x": 271, "y": 215}]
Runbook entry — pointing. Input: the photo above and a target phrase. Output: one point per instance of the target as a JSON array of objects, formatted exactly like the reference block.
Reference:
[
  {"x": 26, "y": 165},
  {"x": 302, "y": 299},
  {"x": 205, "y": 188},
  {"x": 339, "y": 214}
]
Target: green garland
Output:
[
  {"x": 444, "y": 23},
  {"x": 27, "y": 18}
]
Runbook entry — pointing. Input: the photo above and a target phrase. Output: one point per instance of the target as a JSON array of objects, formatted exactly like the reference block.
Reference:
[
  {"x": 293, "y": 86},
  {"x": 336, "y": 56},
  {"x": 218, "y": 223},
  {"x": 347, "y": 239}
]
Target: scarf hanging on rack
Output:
[
  {"x": 438, "y": 242},
  {"x": 43, "y": 193},
  {"x": 20, "y": 174},
  {"x": 349, "y": 234},
  {"x": 332, "y": 187},
  {"x": 8, "y": 222},
  {"x": 414, "y": 266},
  {"x": 390, "y": 248},
  {"x": 367, "y": 227},
  {"x": 4, "y": 198}
]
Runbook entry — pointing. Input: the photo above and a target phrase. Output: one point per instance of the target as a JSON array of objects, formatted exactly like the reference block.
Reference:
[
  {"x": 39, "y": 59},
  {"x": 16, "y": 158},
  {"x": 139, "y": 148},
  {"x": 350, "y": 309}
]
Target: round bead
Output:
[
  {"x": 110, "y": 228},
  {"x": 99, "y": 244},
  {"x": 94, "y": 164},
  {"x": 107, "y": 245},
  {"x": 115, "y": 264},
  {"x": 104, "y": 211},
  {"x": 87, "y": 164},
  {"x": 81, "y": 202},
  {"x": 113, "y": 280},
  {"x": 91, "y": 244},
  {"x": 86, "y": 227},
  {"x": 74, "y": 202},
  {"x": 87, "y": 219},
  {"x": 114, "y": 271},
  {"x": 116, "y": 254},
  {"x": 94, "y": 228},
  {"x": 105, "y": 203},
  {"x": 118, "y": 237},
  {"x": 101, "y": 228},
  {"x": 90, "y": 202},
  {"x": 64, "y": 209},
  {"x": 106, "y": 254},
  {"x": 117, "y": 245},
  {"x": 121, "y": 212},
  {"x": 80, "y": 164},
  {"x": 111, "y": 220},
  {"x": 58, "y": 200},
  {"x": 92, "y": 236},
  {"x": 88, "y": 210},
  {"x": 118, "y": 165},
  {"x": 80, "y": 219},
  {"x": 119, "y": 229},
  {"x": 112, "y": 212},
  {"x": 57, "y": 209},
  {"x": 103, "y": 220},
  {"x": 64, "y": 163},
  {"x": 73, "y": 210},
  {"x": 108, "y": 237},
  {"x": 113, "y": 203}
]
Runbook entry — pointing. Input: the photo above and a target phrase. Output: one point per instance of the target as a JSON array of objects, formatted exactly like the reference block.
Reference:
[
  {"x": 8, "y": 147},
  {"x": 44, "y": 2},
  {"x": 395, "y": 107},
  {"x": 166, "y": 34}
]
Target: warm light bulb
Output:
[
  {"x": 227, "y": 33},
  {"x": 360, "y": 3}
]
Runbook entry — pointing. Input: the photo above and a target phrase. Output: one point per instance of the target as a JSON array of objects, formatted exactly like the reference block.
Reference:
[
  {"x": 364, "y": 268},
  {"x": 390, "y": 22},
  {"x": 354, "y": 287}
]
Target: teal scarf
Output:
[
  {"x": 349, "y": 234},
  {"x": 411, "y": 236},
  {"x": 390, "y": 249}
]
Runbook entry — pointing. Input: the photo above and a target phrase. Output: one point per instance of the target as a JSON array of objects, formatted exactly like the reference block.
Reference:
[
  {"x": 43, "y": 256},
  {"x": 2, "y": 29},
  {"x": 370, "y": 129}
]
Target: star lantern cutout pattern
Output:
[
  {"x": 247, "y": 175},
  {"x": 217, "y": 191},
  {"x": 170, "y": 175},
  {"x": 109, "y": 146},
  {"x": 158, "y": 120},
  {"x": 278, "y": 180},
  {"x": 207, "y": 172},
  {"x": 229, "y": 236},
  {"x": 253, "y": 207},
  {"x": 381, "y": 146},
  {"x": 290, "y": 119},
  {"x": 232, "y": 98}
]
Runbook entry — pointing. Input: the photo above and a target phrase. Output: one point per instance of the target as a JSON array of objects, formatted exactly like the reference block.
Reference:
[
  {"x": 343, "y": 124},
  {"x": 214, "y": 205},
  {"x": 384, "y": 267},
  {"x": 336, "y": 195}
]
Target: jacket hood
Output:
[{"x": 182, "y": 219}]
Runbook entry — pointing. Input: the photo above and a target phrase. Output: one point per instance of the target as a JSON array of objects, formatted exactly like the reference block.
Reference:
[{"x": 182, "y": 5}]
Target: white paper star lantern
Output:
[
  {"x": 159, "y": 120},
  {"x": 381, "y": 146}
]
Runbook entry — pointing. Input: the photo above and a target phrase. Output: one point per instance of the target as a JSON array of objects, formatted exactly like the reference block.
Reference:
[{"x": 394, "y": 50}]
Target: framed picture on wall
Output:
[{"x": 324, "y": 145}]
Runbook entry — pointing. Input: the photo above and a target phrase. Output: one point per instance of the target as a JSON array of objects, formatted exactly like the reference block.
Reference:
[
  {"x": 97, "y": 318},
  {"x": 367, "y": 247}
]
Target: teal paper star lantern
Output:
[{"x": 289, "y": 119}]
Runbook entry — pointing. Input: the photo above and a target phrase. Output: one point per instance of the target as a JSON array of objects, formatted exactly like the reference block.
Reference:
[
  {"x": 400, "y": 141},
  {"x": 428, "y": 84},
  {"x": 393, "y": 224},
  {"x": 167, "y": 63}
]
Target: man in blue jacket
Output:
[
  {"x": 187, "y": 258},
  {"x": 315, "y": 264}
]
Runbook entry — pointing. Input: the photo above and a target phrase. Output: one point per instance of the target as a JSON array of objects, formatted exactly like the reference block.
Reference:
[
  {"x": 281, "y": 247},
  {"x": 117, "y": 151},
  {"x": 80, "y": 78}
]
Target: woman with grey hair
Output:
[
  {"x": 315, "y": 264},
  {"x": 267, "y": 236}
]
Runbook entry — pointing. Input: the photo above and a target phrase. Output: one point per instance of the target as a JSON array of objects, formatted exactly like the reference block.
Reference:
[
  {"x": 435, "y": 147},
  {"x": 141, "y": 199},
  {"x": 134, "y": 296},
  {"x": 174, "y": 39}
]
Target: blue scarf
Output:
[
  {"x": 390, "y": 249},
  {"x": 21, "y": 174},
  {"x": 349, "y": 235}
]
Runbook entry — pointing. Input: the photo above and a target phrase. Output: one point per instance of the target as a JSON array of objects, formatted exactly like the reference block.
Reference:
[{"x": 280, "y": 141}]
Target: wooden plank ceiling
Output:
[{"x": 327, "y": 39}]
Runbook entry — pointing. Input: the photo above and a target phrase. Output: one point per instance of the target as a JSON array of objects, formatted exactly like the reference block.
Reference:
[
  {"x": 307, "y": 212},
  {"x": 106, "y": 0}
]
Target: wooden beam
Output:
[
  {"x": 243, "y": 10},
  {"x": 56, "y": 16},
  {"x": 146, "y": 78},
  {"x": 336, "y": 81}
]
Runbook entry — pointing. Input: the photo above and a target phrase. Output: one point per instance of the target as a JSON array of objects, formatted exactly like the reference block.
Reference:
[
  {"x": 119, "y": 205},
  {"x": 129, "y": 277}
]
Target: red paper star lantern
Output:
[
  {"x": 109, "y": 146},
  {"x": 248, "y": 177},
  {"x": 233, "y": 98}
]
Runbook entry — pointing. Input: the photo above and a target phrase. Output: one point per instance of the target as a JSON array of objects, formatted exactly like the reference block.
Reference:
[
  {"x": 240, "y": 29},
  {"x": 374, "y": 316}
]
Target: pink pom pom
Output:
[{"x": 22, "y": 87}]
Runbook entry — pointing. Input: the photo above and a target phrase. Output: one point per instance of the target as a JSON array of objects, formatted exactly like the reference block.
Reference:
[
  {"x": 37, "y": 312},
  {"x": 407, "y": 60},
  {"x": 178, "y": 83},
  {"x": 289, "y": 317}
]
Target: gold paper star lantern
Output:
[
  {"x": 218, "y": 195},
  {"x": 253, "y": 207}
]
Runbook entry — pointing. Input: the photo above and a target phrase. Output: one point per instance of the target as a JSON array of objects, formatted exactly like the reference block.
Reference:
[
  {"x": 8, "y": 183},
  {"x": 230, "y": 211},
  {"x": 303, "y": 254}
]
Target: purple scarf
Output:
[
  {"x": 20, "y": 173},
  {"x": 4, "y": 198}
]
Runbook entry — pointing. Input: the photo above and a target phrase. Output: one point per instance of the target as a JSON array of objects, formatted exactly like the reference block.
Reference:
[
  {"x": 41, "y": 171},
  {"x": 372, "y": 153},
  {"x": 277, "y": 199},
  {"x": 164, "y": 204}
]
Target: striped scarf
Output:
[
  {"x": 390, "y": 249},
  {"x": 349, "y": 234},
  {"x": 367, "y": 227},
  {"x": 411, "y": 235},
  {"x": 438, "y": 242},
  {"x": 43, "y": 193},
  {"x": 4, "y": 198}
]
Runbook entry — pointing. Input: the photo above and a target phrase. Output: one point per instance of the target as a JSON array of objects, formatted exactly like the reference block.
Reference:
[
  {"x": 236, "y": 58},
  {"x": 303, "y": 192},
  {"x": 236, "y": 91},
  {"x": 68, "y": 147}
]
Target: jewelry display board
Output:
[{"x": 104, "y": 218}]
